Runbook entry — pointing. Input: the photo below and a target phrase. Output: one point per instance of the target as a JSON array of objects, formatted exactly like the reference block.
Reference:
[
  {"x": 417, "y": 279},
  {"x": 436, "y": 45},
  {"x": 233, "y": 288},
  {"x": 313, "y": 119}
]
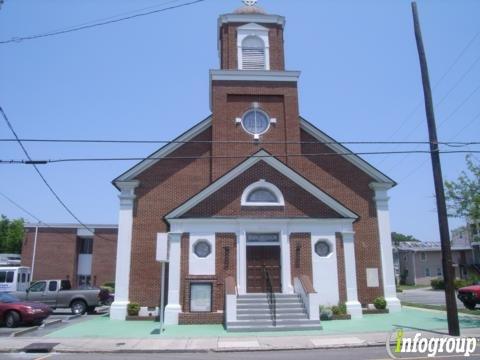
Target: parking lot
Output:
[{"x": 59, "y": 318}]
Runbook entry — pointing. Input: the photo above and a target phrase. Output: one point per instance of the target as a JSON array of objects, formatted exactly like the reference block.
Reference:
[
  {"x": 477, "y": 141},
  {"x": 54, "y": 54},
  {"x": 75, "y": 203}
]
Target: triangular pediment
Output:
[{"x": 304, "y": 192}]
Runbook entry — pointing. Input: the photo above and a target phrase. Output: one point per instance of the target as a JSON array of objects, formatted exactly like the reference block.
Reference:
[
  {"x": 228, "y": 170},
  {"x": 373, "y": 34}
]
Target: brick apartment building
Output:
[
  {"x": 246, "y": 204},
  {"x": 69, "y": 251}
]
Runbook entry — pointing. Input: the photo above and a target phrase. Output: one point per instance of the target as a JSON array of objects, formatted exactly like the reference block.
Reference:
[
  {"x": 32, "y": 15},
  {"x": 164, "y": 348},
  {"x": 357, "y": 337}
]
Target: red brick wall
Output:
[
  {"x": 162, "y": 188},
  {"x": 56, "y": 254},
  {"x": 228, "y": 41},
  {"x": 104, "y": 256},
  {"x": 227, "y": 201},
  {"x": 223, "y": 268},
  {"x": 231, "y": 100},
  {"x": 349, "y": 185},
  {"x": 301, "y": 255},
  {"x": 342, "y": 285}
]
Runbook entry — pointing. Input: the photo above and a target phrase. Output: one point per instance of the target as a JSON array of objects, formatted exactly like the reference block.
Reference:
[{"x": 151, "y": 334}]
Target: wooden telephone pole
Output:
[{"x": 448, "y": 275}]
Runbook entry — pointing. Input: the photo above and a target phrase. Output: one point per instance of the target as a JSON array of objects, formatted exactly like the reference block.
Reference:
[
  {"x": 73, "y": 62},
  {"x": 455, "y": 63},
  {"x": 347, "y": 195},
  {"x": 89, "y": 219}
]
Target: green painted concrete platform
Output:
[{"x": 408, "y": 318}]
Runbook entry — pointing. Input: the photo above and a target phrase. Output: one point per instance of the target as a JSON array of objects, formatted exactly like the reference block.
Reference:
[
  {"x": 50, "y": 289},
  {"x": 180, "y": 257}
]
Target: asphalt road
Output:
[
  {"x": 59, "y": 314},
  {"x": 426, "y": 296},
  {"x": 370, "y": 353}
]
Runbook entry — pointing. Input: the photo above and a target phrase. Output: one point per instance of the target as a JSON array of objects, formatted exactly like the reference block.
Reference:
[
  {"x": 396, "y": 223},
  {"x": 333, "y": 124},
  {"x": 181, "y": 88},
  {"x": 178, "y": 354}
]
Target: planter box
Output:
[
  {"x": 140, "y": 318},
  {"x": 342, "y": 317},
  {"x": 374, "y": 311}
]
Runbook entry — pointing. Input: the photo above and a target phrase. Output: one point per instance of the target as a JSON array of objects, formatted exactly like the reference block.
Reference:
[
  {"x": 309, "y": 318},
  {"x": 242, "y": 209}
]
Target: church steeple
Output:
[{"x": 251, "y": 39}]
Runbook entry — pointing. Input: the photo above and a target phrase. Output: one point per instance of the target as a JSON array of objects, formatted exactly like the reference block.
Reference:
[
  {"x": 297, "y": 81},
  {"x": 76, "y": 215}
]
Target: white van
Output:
[{"x": 14, "y": 278}]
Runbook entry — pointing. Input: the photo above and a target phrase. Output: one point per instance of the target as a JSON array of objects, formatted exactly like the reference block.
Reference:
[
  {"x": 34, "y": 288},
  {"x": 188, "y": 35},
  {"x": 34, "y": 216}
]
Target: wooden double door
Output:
[{"x": 259, "y": 259}]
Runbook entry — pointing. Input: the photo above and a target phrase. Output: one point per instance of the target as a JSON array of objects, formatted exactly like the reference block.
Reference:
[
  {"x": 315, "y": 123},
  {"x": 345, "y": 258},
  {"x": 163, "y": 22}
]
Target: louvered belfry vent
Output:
[{"x": 253, "y": 54}]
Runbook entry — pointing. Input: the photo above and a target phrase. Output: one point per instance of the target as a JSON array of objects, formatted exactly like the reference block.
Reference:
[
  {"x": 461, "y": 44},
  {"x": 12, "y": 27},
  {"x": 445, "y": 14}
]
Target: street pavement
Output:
[
  {"x": 425, "y": 296},
  {"x": 371, "y": 353}
]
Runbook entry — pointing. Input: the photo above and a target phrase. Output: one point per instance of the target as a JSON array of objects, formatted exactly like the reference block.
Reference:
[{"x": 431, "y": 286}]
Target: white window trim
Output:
[
  {"x": 253, "y": 29},
  {"x": 264, "y": 185}
]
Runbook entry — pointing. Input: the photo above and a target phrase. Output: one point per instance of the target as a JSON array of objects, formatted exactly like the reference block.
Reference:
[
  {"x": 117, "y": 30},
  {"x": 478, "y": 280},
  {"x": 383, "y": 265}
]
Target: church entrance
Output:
[{"x": 263, "y": 263}]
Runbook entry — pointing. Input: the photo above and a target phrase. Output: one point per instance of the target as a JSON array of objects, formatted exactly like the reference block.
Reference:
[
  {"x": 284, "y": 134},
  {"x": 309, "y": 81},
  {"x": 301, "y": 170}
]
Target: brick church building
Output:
[{"x": 261, "y": 211}]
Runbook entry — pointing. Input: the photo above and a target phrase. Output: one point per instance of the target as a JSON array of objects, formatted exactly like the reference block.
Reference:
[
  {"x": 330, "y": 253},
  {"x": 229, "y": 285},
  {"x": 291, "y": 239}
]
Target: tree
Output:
[
  {"x": 463, "y": 195},
  {"x": 11, "y": 235},
  {"x": 397, "y": 238}
]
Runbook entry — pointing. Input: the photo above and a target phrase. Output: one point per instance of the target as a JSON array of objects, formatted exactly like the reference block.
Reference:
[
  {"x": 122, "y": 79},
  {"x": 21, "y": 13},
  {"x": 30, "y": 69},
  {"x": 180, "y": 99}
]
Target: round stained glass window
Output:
[
  {"x": 255, "y": 122},
  {"x": 322, "y": 248},
  {"x": 202, "y": 248}
]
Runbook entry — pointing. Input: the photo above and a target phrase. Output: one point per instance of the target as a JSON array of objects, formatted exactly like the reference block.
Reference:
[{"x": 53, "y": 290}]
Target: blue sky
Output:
[{"x": 147, "y": 78}]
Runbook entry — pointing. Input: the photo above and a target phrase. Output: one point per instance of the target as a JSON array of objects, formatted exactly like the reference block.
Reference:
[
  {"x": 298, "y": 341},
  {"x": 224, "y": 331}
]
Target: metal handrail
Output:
[{"x": 270, "y": 296}]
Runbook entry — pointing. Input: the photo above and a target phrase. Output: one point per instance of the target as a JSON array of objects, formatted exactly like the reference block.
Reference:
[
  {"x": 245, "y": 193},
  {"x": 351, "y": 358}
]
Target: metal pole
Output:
[
  {"x": 34, "y": 251},
  {"x": 162, "y": 297},
  {"x": 448, "y": 275}
]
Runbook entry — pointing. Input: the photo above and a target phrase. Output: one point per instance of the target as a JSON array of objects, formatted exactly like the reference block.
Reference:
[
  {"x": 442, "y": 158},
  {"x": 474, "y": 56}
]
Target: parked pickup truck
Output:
[
  {"x": 470, "y": 296},
  {"x": 59, "y": 294}
]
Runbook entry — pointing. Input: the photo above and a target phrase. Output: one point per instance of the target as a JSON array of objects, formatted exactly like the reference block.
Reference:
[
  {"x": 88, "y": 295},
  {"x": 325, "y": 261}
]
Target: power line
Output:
[
  {"x": 32, "y": 162},
  {"x": 41, "y": 222},
  {"x": 193, "y": 157},
  {"x": 457, "y": 108},
  {"x": 108, "y": 141},
  {"x": 449, "y": 69},
  {"x": 101, "y": 23}
]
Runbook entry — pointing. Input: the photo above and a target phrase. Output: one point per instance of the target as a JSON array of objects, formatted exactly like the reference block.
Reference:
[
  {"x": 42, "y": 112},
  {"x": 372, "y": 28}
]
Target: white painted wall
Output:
[
  {"x": 197, "y": 265},
  {"x": 325, "y": 274}
]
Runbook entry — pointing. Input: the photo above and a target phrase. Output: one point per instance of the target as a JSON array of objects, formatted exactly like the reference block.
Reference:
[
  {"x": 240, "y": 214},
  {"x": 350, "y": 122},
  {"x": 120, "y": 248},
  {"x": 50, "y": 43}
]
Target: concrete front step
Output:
[
  {"x": 266, "y": 307},
  {"x": 290, "y": 322},
  {"x": 266, "y": 310},
  {"x": 263, "y": 316},
  {"x": 278, "y": 296},
  {"x": 236, "y": 327},
  {"x": 278, "y": 302}
]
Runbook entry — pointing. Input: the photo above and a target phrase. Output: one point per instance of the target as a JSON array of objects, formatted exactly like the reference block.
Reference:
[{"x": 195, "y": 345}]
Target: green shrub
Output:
[
  {"x": 380, "y": 303},
  {"x": 438, "y": 284},
  {"x": 325, "y": 313},
  {"x": 110, "y": 284},
  {"x": 340, "y": 309},
  {"x": 133, "y": 309},
  {"x": 459, "y": 283},
  {"x": 399, "y": 290}
]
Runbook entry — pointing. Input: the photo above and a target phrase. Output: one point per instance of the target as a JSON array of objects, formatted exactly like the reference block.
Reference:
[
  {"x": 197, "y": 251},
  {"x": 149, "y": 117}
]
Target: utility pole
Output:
[{"x": 448, "y": 275}]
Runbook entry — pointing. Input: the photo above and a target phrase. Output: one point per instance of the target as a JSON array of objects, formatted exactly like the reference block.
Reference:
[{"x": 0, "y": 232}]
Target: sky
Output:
[{"x": 147, "y": 79}]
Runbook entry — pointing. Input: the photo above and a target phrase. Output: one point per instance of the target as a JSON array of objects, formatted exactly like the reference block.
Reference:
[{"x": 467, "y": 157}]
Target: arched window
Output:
[
  {"x": 253, "y": 53},
  {"x": 262, "y": 193}
]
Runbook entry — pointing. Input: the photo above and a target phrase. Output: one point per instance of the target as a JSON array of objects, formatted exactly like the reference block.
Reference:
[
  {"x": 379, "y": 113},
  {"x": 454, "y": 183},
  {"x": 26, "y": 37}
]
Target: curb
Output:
[
  {"x": 50, "y": 323},
  {"x": 24, "y": 331}
]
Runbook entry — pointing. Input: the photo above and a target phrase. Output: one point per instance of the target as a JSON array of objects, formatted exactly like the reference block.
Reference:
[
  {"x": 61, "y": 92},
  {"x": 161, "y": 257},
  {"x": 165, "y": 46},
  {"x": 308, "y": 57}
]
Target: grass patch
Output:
[
  {"x": 440, "y": 307},
  {"x": 411, "y": 287}
]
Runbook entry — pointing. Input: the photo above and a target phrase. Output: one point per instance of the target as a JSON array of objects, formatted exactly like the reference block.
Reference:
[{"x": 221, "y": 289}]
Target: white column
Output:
[
  {"x": 353, "y": 305},
  {"x": 242, "y": 262},
  {"x": 118, "y": 310},
  {"x": 287, "y": 287},
  {"x": 385, "y": 237},
  {"x": 173, "y": 307}
]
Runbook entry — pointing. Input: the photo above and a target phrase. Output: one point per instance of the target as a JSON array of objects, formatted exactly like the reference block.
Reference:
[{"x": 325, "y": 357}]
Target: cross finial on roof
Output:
[{"x": 250, "y": 2}]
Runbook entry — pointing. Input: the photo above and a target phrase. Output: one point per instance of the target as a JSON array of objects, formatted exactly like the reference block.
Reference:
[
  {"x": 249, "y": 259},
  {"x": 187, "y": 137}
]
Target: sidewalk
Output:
[
  {"x": 102, "y": 335},
  {"x": 217, "y": 344}
]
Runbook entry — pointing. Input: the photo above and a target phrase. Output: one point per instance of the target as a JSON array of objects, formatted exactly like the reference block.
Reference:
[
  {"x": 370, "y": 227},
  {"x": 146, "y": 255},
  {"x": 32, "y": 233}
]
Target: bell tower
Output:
[{"x": 254, "y": 100}]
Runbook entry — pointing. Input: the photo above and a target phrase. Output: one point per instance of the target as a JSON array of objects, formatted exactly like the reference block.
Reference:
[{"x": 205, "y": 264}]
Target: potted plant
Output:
[{"x": 133, "y": 309}]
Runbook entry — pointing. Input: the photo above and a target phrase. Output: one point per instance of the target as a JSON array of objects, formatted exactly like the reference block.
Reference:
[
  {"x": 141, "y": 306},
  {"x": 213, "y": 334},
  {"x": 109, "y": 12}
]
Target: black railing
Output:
[{"x": 270, "y": 296}]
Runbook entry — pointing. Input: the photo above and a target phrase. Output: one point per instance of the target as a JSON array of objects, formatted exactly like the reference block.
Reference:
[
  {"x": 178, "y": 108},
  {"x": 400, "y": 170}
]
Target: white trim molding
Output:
[
  {"x": 354, "y": 307},
  {"x": 385, "y": 238},
  {"x": 262, "y": 184},
  {"x": 257, "y": 31},
  {"x": 348, "y": 155},
  {"x": 164, "y": 151},
  {"x": 262, "y": 155},
  {"x": 173, "y": 307},
  {"x": 118, "y": 310}
]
